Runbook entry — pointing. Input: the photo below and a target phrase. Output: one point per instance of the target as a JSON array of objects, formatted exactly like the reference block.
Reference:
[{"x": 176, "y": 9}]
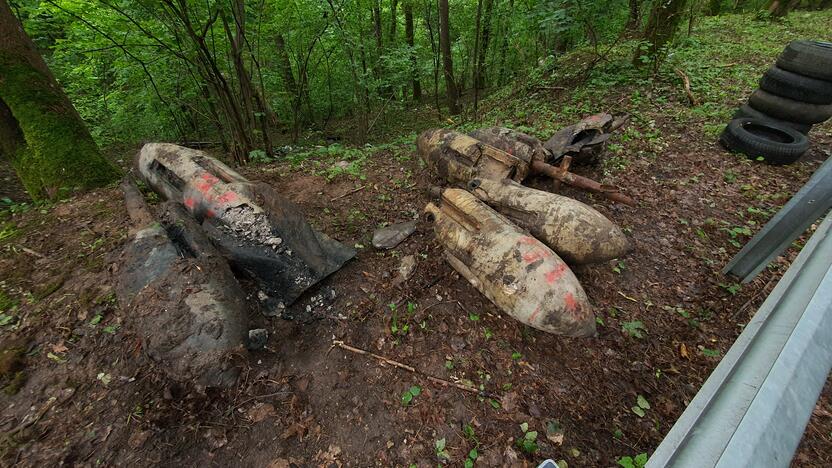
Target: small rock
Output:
[
  {"x": 342, "y": 164},
  {"x": 276, "y": 311},
  {"x": 137, "y": 439},
  {"x": 509, "y": 401},
  {"x": 257, "y": 338},
  {"x": 391, "y": 236},
  {"x": 406, "y": 267},
  {"x": 216, "y": 438},
  {"x": 534, "y": 410},
  {"x": 457, "y": 343}
]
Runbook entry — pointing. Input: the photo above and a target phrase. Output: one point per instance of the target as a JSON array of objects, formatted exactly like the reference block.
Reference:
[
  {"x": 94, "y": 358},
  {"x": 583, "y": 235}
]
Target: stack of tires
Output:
[{"x": 794, "y": 94}]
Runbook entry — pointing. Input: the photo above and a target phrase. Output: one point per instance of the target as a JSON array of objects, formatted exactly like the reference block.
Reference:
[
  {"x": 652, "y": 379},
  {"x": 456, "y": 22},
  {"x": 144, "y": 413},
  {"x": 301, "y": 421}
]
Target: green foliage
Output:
[
  {"x": 634, "y": 329},
  {"x": 629, "y": 462},
  {"x": 410, "y": 394},
  {"x": 441, "y": 453},
  {"x": 125, "y": 68},
  {"x": 528, "y": 442},
  {"x": 641, "y": 406}
]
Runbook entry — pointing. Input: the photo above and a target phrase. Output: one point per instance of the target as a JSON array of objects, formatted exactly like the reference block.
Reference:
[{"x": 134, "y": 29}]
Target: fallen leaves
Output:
[
  {"x": 297, "y": 428},
  {"x": 260, "y": 412},
  {"x": 683, "y": 351}
]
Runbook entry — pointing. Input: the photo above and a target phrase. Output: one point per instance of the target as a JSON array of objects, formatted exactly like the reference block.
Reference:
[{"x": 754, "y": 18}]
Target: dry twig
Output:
[
  {"x": 436, "y": 380},
  {"x": 348, "y": 193},
  {"x": 686, "y": 81}
]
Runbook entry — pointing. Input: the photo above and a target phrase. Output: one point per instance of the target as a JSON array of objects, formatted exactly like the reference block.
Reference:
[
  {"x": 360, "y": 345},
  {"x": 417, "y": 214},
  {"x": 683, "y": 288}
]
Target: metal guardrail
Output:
[
  {"x": 752, "y": 410},
  {"x": 804, "y": 208}
]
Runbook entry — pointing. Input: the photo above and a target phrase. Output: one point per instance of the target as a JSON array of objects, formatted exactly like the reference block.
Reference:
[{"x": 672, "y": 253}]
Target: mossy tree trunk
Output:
[
  {"x": 51, "y": 149},
  {"x": 661, "y": 27},
  {"x": 781, "y": 8}
]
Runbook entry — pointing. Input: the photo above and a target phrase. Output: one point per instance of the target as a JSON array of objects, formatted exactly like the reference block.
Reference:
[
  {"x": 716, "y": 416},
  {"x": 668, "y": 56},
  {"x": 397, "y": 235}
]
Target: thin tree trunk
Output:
[
  {"x": 486, "y": 36},
  {"x": 394, "y": 20},
  {"x": 56, "y": 150},
  {"x": 447, "y": 60},
  {"x": 634, "y": 20},
  {"x": 435, "y": 55},
  {"x": 285, "y": 66},
  {"x": 228, "y": 102},
  {"x": 476, "y": 73},
  {"x": 504, "y": 46},
  {"x": 377, "y": 25},
  {"x": 408, "y": 34},
  {"x": 781, "y": 8},
  {"x": 359, "y": 90},
  {"x": 661, "y": 27}
]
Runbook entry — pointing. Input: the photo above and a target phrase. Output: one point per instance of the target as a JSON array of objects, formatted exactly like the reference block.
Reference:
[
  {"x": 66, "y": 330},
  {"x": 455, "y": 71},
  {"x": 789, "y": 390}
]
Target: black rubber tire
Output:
[
  {"x": 789, "y": 109},
  {"x": 752, "y": 113},
  {"x": 755, "y": 138},
  {"x": 810, "y": 58},
  {"x": 796, "y": 86}
]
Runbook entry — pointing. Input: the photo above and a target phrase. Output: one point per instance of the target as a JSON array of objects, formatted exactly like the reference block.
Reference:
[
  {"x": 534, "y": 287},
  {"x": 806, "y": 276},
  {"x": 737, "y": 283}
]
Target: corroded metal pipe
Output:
[
  {"x": 581, "y": 182},
  {"x": 517, "y": 272},
  {"x": 576, "y": 231}
]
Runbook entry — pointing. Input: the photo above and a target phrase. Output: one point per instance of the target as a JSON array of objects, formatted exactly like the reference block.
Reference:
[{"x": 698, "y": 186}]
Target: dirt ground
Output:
[{"x": 91, "y": 398}]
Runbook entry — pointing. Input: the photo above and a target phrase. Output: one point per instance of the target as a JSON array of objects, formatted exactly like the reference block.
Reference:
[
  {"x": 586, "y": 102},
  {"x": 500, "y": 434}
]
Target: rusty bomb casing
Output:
[
  {"x": 260, "y": 231},
  {"x": 517, "y": 272},
  {"x": 458, "y": 158},
  {"x": 576, "y": 231}
]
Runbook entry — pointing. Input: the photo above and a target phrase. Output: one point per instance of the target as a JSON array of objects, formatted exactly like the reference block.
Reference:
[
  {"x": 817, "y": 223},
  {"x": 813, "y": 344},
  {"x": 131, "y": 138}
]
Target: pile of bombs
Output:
[{"x": 514, "y": 243}]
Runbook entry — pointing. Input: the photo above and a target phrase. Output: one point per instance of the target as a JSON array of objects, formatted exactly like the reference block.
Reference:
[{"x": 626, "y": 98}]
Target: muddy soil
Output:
[{"x": 665, "y": 316}]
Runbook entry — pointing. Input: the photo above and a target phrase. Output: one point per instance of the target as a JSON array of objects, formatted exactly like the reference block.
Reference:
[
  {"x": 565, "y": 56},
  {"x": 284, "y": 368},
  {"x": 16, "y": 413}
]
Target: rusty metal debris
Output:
[
  {"x": 575, "y": 231},
  {"x": 517, "y": 272},
  {"x": 585, "y": 140},
  {"x": 458, "y": 158},
  {"x": 258, "y": 230},
  {"x": 184, "y": 304},
  {"x": 390, "y": 236}
]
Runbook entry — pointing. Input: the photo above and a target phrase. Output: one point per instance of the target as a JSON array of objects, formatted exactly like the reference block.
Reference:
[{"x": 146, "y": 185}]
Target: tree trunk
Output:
[
  {"x": 661, "y": 27},
  {"x": 297, "y": 94},
  {"x": 377, "y": 24},
  {"x": 50, "y": 147},
  {"x": 447, "y": 60},
  {"x": 435, "y": 54},
  {"x": 486, "y": 36},
  {"x": 713, "y": 8},
  {"x": 781, "y": 8},
  {"x": 476, "y": 73},
  {"x": 394, "y": 20},
  {"x": 634, "y": 20},
  {"x": 408, "y": 34},
  {"x": 503, "y": 73}
]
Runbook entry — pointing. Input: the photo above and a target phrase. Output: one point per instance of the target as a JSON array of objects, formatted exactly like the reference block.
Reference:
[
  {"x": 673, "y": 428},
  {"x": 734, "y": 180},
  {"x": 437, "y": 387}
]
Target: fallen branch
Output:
[
  {"x": 348, "y": 193},
  {"x": 32, "y": 252},
  {"x": 686, "y": 81},
  {"x": 52, "y": 402},
  {"x": 436, "y": 380}
]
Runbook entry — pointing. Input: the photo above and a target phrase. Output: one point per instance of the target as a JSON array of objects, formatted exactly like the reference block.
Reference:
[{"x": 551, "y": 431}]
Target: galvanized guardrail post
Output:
[
  {"x": 803, "y": 209},
  {"x": 752, "y": 410}
]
